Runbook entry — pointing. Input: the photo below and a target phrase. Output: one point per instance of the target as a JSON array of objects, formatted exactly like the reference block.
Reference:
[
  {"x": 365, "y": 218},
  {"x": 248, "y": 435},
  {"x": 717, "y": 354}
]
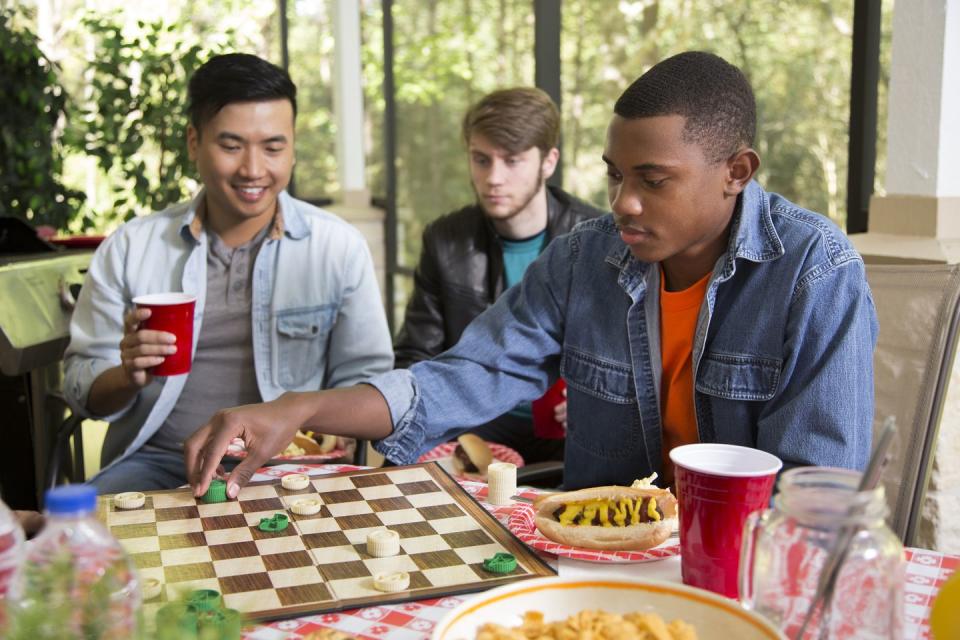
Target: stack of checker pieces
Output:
[{"x": 320, "y": 562}]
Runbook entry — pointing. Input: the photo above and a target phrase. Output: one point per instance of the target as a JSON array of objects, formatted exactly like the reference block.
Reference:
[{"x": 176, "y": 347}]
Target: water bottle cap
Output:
[{"x": 71, "y": 498}]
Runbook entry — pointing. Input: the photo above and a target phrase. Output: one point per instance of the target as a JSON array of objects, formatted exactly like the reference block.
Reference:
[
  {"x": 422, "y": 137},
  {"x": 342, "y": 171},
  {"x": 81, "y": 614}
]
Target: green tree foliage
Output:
[
  {"x": 33, "y": 105},
  {"x": 133, "y": 117}
]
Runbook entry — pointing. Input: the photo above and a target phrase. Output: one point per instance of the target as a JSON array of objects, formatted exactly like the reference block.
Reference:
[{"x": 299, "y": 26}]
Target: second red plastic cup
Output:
[
  {"x": 545, "y": 424},
  {"x": 718, "y": 486},
  {"x": 173, "y": 313}
]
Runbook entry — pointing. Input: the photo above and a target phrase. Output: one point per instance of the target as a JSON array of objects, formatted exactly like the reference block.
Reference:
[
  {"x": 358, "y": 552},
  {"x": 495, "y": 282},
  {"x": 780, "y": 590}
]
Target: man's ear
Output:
[
  {"x": 193, "y": 141},
  {"x": 741, "y": 167},
  {"x": 549, "y": 164}
]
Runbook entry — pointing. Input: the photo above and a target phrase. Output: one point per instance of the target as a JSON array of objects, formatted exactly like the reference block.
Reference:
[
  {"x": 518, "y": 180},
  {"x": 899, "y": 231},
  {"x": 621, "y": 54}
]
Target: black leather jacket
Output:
[{"x": 460, "y": 274}]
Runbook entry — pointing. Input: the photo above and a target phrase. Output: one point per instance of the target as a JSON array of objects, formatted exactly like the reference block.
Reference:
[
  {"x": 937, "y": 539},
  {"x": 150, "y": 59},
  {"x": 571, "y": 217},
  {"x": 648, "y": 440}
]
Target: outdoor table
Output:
[{"x": 926, "y": 571}]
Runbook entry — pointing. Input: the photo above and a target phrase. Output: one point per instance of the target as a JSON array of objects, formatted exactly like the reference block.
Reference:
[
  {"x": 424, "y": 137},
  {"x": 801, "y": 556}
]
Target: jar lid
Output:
[{"x": 71, "y": 498}]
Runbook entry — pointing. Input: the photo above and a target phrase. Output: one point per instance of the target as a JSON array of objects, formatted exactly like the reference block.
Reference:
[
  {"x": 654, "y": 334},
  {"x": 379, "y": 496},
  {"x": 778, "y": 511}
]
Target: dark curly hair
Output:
[
  {"x": 236, "y": 77},
  {"x": 713, "y": 95}
]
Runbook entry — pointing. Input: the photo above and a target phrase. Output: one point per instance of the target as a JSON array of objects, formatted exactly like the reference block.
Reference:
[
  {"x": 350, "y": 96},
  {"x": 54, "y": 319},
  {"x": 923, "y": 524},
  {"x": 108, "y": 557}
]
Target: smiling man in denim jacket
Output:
[
  {"x": 704, "y": 309},
  {"x": 286, "y": 293}
]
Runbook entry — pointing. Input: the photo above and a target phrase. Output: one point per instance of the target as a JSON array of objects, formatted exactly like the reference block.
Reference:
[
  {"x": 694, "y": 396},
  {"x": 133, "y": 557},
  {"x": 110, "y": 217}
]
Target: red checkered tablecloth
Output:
[{"x": 926, "y": 571}]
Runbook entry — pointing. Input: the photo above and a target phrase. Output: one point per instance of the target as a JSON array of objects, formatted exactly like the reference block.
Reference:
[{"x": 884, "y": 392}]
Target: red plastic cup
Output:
[
  {"x": 718, "y": 486},
  {"x": 173, "y": 313},
  {"x": 545, "y": 424}
]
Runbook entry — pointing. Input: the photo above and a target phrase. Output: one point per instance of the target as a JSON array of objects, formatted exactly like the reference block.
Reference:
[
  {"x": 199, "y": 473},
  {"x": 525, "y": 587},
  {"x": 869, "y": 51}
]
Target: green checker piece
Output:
[
  {"x": 219, "y": 624},
  {"x": 216, "y": 492},
  {"x": 205, "y": 600},
  {"x": 500, "y": 563},
  {"x": 278, "y": 522},
  {"x": 176, "y": 621}
]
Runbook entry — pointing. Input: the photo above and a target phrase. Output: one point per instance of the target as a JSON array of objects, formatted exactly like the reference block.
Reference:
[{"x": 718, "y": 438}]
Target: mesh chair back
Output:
[{"x": 917, "y": 307}]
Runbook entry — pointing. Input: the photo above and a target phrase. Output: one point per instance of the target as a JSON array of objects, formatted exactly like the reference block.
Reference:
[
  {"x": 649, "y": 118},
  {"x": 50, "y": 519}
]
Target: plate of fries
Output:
[{"x": 604, "y": 608}]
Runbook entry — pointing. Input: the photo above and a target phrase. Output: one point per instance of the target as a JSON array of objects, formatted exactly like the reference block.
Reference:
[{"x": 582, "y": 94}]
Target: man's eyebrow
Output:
[
  {"x": 226, "y": 135},
  {"x": 646, "y": 166}
]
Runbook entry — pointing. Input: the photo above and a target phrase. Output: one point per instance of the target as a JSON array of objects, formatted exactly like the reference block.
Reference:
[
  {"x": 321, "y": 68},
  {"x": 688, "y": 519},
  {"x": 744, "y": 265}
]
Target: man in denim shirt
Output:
[
  {"x": 286, "y": 293},
  {"x": 780, "y": 351}
]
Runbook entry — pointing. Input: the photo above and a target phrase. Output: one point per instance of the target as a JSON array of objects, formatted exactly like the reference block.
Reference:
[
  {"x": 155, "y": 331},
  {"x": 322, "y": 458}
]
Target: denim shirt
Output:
[
  {"x": 318, "y": 318},
  {"x": 782, "y": 355}
]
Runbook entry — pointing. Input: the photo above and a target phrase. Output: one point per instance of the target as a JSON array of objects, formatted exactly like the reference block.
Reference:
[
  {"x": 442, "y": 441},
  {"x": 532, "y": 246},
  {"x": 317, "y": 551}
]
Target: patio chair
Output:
[{"x": 918, "y": 306}]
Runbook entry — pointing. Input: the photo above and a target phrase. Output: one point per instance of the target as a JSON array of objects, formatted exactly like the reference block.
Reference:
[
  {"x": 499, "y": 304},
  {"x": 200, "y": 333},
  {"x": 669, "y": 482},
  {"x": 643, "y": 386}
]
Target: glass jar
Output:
[{"x": 785, "y": 548}]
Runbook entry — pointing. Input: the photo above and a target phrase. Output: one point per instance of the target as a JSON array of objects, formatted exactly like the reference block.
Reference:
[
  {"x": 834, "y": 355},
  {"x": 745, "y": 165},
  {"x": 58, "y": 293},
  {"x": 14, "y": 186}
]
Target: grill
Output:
[{"x": 38, "y": 284}]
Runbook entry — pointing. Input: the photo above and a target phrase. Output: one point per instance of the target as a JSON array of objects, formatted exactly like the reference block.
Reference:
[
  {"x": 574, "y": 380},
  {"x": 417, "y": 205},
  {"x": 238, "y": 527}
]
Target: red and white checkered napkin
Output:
[
  {"x": 926, "y": 572},
  {"x": 500, "y": 453}
]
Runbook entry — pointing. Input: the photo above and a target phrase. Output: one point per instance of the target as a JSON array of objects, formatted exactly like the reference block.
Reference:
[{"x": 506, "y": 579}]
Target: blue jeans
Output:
[{"x": 143, "y": 470}]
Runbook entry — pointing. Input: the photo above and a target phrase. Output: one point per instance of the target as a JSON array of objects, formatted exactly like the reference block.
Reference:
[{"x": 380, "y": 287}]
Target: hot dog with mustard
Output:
[{"x": 609, "y": 518}]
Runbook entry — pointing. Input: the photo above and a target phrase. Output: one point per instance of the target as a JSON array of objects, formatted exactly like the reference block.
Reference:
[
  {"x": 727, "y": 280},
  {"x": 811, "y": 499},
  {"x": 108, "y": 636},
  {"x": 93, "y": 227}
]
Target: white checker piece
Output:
[{"x": 359, "y": 536}]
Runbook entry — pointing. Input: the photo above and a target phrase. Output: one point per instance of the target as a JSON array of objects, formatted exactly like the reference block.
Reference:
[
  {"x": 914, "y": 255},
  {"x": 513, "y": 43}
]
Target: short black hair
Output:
[
  {"x": 236, "y": 77},
  {"x": 712, "y": 95}
]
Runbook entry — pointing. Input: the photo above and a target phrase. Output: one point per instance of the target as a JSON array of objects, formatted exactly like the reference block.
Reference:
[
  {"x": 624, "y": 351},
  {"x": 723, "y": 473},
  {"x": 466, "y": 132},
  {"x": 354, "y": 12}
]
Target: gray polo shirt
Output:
[{"x": 222, "y": 374}]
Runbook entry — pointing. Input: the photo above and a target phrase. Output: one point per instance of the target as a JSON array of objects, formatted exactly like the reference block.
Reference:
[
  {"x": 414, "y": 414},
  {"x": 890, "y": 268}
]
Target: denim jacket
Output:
[
  {"x": 318, "y": 318},
  {"x": 782, "y": 355}
]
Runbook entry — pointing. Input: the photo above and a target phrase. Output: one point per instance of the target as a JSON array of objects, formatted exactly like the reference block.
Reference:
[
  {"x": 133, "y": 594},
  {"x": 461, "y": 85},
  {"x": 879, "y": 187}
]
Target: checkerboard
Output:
[{"x": 319, "y": 563}]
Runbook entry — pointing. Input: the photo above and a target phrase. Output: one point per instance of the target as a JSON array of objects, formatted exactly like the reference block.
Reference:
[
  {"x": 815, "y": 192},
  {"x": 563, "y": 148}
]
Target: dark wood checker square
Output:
[
  {"x": 462, "y": 539},
  {"x": 288, "y": 560},
  {"x": 176, "y": 513},
  {"x": 319, "y": 564},
  {"x": 414, "y": 529},
  {"x": 378, "y": 480},
  {"x": 265, "y": 504},
  {"x": 233, "y": 550},
  {"x": 233, "y": 521},
  {"x": 389, "y": 504},
  {"x": 304, "y": 594},
  {"x": 339, "y": 497},
  {"x": 182, "y": 540},
  {"x": 416, "y": 488}
]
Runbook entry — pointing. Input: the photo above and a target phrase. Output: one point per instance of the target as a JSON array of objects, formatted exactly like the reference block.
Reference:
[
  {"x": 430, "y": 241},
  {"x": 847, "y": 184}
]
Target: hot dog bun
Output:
[
  {"x": 478, "y": 457},
  {"x": 632, "y": 537}
]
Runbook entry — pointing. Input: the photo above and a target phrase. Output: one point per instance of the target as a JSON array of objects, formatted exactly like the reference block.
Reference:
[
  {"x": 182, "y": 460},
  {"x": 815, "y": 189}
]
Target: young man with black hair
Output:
[
  {"x": 470, "y": 256},
  {"x": 704, "y": 309},
  {"x": 286, "y": 294}
]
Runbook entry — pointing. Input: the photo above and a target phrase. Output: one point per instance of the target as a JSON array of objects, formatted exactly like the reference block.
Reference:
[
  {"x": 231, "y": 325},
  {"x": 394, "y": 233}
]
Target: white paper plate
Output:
[{"x": 714, "y": 617}]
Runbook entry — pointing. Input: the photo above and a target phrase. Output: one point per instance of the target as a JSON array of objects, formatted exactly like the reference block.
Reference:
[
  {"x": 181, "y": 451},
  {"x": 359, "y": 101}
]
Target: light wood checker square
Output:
[{"x": 319, "y": 563}]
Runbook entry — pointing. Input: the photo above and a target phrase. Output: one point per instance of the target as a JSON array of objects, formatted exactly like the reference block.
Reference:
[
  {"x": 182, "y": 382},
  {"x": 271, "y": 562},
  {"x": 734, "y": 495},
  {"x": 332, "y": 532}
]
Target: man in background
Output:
[
  {"x": 470, "y": 256},
  {"x": 286, "y": 297}
]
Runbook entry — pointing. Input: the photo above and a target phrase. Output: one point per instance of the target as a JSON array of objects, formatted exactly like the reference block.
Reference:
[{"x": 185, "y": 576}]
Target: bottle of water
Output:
[
  {"x": 76, "y": 582},
  {"x": 11, "y": 555}
]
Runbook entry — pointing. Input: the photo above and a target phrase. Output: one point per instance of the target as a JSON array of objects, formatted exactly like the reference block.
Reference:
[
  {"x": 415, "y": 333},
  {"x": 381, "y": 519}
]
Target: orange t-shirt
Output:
[{"x": 678, "y": 323}]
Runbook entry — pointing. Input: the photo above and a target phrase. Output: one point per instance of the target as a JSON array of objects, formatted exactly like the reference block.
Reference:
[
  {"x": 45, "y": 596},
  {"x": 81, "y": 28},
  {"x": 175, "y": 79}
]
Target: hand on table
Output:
[
  {"x": 141, "y": 349},
  {"x": 266, "y": 429}
]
